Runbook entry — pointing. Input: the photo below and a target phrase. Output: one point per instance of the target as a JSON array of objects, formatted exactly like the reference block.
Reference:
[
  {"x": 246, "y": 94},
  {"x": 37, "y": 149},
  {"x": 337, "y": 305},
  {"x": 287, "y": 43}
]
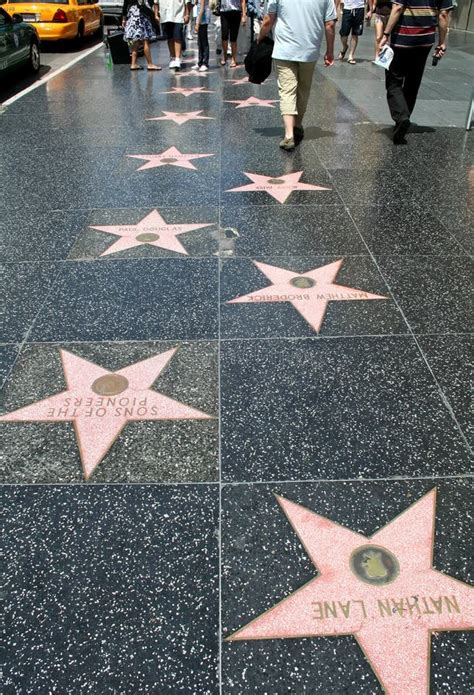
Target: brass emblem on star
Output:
[{"x": 374, "y": 565}]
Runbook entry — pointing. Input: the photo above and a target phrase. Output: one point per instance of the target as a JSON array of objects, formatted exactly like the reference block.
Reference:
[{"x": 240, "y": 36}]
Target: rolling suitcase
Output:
[{"x": 118, "y": 48}]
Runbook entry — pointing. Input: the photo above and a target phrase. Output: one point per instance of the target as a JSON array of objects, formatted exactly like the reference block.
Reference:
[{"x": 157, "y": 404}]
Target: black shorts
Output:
[
  {"x": 172, "y": 30},
  {"x": 352, "y": 20},
  {"x": 230, "y": 24}
]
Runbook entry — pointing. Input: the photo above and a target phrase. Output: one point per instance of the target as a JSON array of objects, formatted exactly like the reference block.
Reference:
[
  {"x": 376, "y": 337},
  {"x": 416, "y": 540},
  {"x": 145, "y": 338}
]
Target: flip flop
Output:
[
  {"x": 351, "y": 61},
  {"x": 138, "y": 67},
  {"x": 342, "y": 54},
  {"x": 234, "y": 65},
  {"x": 155, "y": 68},
  {"x": 223, "y": 62}
]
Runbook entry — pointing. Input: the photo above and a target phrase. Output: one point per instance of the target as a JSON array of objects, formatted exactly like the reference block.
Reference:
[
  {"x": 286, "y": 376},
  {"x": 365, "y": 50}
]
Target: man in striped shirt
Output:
[{"x": 412, "y": 31}]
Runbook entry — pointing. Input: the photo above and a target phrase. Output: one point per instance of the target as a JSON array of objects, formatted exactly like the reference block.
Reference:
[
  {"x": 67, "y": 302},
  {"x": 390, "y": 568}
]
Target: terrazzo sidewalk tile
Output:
[
  {"x": 333, "y": 409},
  {"x": 148, "y": 233},
  {"x": 132, "y": 300},
  {"x": 160, "y": 425},
  {"x": 111, "y": 589},
  {"x": 8, "y": 355},
  {"x": 264, "y": 562},
  {"x": 32, "y": 235},
  {"x": 433, "y": 293},
  {"x": 404, "y": 231},
  {"x": 460, "y": 222},
  {"x": 343, "y": 296},
  {"x": 23, "y": 288},
  {"x": 297, "y": 230},
  {"x": 370, "y": 187},
  {"x": 450, "y": 358}
]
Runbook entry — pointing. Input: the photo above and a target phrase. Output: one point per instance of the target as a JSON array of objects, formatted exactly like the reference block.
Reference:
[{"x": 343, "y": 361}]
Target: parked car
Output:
[
  {"x": 112, "y": 9},
  {"x": 60, "y": 19},
  {"x": 19, "y": 44}
]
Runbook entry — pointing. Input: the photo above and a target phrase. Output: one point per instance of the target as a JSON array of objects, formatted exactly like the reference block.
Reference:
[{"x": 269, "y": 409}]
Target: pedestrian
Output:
[
  {"x": 137, "y": 17},
  {"x": 174, "y": 15},
  {"x": 202, "y": 24},
  {"x": 352, "y": 23},
  {"x": 233, "y": 14},
  {"x": 298, "y": 32},
  {"x": 411, "y": 29},
  {"x": 381, "y": 10}
]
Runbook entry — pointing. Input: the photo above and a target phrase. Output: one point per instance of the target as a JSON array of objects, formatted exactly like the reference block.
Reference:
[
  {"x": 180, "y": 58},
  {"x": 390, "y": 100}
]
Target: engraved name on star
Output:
[
  {"x": 381, "y": 589},
  {"x": 100, "y": 403},
  {"x": 151, "y": 230},
  {"x": 181, "y": 118},
  {"x": 309, "y": 293},
  {"x": 253, "y": 101},
  {"x": 189, "y": 91},
  {"x": 170, "y": 157},
  {"x": 279, "y": 187}
]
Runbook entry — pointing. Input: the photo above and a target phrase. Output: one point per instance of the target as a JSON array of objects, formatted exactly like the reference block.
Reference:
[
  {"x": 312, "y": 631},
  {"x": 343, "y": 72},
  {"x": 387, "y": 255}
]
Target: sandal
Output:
[
  {"x": 154, "y": 68},
  {"x": 137, "y": 67},
  {"x": 223, "y": 62},
  {"x": 342, "y": 54},
  {"x": 233, "y": 65},
  {"x": 352, "y": 61}
]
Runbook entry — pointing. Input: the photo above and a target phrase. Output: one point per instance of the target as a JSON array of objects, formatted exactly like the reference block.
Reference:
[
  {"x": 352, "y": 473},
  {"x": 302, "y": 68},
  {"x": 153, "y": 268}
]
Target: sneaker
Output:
[
  {"x": 196, "y": 67},
  {"x": 177, "y": 65},
  {"x": 298, "y": 134},
  {"x": 172, "y": 65},
  {"x": 287, "y": 144},
  {"x": 399, "y": 132},
  {"x": 229, "y": 51},
  {"x": 203, "y": 68}
]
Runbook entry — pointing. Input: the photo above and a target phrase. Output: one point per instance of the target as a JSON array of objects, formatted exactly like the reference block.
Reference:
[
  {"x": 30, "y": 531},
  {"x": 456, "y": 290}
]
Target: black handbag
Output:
[{"x": 215, "y": 6}]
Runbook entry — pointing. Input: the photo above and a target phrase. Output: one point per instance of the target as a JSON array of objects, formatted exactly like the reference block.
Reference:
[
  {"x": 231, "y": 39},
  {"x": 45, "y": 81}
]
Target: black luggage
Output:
[
  {"x": 118, "y": 48},
  {"x": 258, "y": 62}
]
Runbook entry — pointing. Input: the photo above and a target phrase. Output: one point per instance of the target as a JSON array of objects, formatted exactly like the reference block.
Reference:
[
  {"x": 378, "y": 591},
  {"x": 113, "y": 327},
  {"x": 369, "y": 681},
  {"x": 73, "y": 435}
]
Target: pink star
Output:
[
  {"x": 172, "y": 156},
  {"x": 181, "y": 118},
  {"x": 279, "y": 187},
  {"x": 253, "y": 101},
  {"x": 239, "y": 80},
  {"x": 152, "y": 230},
  {"x": 100, "y": 403},
  {"x": 309, "y": 293},
  {"x": 381, "y": 589},
  {"x": 188, "y": 91}
]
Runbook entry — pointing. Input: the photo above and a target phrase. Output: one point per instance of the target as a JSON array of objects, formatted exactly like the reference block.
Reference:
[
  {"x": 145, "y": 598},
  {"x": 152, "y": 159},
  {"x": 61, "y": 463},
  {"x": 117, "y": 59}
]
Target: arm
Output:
[
  {"x": 187, "y": 12},
  {"x": 156, "y": 10},
  {"x": 330, "y": 31},
  {"x": 201, "y": 13},
  {"x": 370, "y": 9},
  {"x": 244, "y": 12},
  {"x": 443, "y": 21},
  {"x": 268, "y": 23},
  {"x": 124, "y": 12},
  {"x": 397, "y": 11}
]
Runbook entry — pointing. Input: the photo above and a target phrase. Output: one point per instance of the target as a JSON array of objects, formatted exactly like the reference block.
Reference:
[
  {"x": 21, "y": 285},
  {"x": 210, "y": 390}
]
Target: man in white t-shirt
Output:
[
  {"x": 353, "y": 15},
  {"x": 299, "y": 27},
  {"x": 174, "y": 14}
]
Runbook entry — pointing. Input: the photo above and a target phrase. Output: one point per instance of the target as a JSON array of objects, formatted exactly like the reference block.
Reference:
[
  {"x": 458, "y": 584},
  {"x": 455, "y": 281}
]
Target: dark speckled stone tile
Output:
[
  {"x": 403, "y": 231},
  {"x": 372, "y": 187},
  {"x": 8, "y": 355},
  {"x": 460, "y": 222},
  {"x": 336, "y": 408},
  {"x": 450, "y": 358},
  {"x": 271, "y": 319},
  {"x": 92, "y": 243},
  {"x": 433, "y": 293},
  {"x": 31, "y": 235},
  {"x": 111, "y": 589},
  {"x": 297, "y": 230},
  {"x": 144, "y": 451},
  {"x": 264, "y": 561},
  {"x": 23, "y": 288},
  {"x": 176, "y": 299}
]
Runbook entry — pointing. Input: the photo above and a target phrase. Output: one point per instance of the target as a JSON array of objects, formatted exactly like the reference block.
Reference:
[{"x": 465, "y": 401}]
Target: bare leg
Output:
[
  {"x": 354, "y": 42},
  {"x": 344, "y": 40},
  {"x": 134, "y": 56},
  {"x": 225, "y": 45},
  {"x": 147, "y": 52},
  {"x": 178, "y": 49},
  {"x": 289, "y": 122},
  {"x": 233, "y": 46},
  {"x": 379, "y": 29}
]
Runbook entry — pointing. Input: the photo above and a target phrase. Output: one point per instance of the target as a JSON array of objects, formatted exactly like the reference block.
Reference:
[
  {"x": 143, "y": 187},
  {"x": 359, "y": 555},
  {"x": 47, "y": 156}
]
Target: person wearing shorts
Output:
[
  {"x": 353, "y": 16},
  {"x": 381, "y": 10},
  {"x": 233, "y": 14},
  {"x": 174, "y": 15}
]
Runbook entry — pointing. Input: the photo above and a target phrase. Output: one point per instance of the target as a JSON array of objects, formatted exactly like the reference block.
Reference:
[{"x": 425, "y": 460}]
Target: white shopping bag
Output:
[{"x": 384, "y": 58}]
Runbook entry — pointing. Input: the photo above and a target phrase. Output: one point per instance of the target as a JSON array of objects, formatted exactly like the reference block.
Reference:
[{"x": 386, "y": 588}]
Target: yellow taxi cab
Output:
[{"x": 60, "y": 19}]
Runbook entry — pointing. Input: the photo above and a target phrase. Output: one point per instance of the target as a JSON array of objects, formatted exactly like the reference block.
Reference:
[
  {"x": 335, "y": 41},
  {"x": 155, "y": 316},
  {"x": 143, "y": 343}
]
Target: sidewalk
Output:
[{"x": 196, "y": 322}]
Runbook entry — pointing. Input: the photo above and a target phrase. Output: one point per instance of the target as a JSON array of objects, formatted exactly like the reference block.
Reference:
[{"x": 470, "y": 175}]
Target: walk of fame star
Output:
[
  {"x": 381, "y": 589},
  {"x": 100, "y": 403},
  {"x": 189, "y": 91},
  {"x": 171, "y": 156},
  {"x": 253, "y": 101},
  {"x": 181, "y": 118},
  {"x": 151, "y": 230},
  {"x": 309, "y": 293},
  {"x": 239, "y": 80},
  {"x": 279, "y": 187}
]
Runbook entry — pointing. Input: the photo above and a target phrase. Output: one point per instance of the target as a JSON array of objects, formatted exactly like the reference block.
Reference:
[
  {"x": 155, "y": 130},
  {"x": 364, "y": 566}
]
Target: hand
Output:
[
  {"x": 369, "y": 15},
  {"x": 244, "y": 20},
  {"x": 440, "y": 50},
  {"x": 196, "y": 28},
  {"x": 186, "y": 18},
  {"x": 383, "y": 42},
  {"x": 329, "y": 59},
  {"x": 124, "y": 21}
]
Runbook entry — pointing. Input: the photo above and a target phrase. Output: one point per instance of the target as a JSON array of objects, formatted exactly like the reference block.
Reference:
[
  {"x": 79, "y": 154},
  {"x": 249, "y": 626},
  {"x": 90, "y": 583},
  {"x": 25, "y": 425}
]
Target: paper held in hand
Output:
[{"x": 384, "y": 58}]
